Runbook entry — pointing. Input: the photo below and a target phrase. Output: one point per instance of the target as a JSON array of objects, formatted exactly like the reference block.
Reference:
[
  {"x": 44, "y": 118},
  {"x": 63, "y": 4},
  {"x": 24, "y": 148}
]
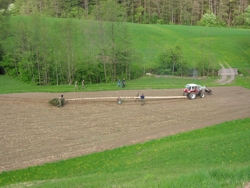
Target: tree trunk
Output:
[
  {"x": 86, "y": 7},
  {"x": 104, "y": 66}
]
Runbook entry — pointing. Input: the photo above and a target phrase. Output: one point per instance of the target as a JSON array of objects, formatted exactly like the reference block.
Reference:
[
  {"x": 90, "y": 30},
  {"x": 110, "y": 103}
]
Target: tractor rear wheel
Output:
[{"x": 192, "y": 96}]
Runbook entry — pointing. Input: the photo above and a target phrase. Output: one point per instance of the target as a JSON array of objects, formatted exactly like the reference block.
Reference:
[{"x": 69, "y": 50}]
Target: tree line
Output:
[
  {"x": 182, "y": 12},
  {"x": 58, "y": 51}
]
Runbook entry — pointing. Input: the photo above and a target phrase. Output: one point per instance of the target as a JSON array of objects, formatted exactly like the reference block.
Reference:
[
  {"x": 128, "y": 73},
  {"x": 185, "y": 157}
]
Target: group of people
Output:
[
  {"x": 119, "y": 84},
  {"x": 138, "y": 97},
  {"x": 76, "y": 85}
]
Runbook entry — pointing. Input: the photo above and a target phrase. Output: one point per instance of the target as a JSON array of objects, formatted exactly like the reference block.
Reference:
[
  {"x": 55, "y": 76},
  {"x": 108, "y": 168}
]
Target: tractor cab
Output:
[{"x": 191, "y": 88}]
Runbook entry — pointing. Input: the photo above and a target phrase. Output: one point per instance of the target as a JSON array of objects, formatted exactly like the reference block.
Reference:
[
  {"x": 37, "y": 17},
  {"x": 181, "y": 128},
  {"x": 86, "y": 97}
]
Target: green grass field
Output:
[
  {"x": 11, "y": 85},
  {"x": 220, "y": 45},
  {"x": 215, "y": 156}
]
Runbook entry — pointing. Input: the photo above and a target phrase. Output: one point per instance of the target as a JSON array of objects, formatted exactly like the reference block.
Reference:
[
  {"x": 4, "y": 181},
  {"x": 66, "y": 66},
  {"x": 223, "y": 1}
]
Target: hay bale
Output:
[{"x": 55, "y": 102}]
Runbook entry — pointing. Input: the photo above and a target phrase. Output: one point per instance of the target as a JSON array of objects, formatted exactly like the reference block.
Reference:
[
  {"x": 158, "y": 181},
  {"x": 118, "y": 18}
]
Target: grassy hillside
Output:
[
  {"x": 221, "y": 45},
  {"x": 218, "y": 45},
  {"x": 215, "y": 156}
]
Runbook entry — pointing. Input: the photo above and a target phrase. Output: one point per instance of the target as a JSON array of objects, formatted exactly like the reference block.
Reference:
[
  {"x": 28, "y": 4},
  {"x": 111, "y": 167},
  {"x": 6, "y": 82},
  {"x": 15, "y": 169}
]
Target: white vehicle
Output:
[
  {"x": 194, "y": 90},
  {"x": 149, "y": 74}
]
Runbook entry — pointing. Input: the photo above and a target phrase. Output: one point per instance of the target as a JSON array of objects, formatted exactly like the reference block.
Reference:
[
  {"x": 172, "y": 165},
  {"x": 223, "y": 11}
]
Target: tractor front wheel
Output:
[
  {"x": 202, "y": 95},
  {"x": 192, "y": 96}
]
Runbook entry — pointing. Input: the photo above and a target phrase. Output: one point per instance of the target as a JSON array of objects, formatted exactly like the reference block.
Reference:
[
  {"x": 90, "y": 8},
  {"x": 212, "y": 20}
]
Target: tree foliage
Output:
[
  {"x": 208, "y": 20},
  {"x": 172, "y": 62},
  {"x": 4, "y": 4},
  {"x": 185, "y": 12},
  {"x": 247, "y": 15},
  {"x": 43, "y": 52}
]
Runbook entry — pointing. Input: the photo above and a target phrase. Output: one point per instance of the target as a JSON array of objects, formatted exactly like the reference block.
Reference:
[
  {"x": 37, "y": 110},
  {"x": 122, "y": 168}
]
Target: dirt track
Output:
[{"x": 33, "y": 132}]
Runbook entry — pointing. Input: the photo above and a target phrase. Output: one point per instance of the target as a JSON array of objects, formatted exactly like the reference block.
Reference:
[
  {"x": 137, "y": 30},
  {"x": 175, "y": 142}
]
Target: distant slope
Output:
[
  {"x": 198, "y": 43},
  {"x": 217, "y": 45}
]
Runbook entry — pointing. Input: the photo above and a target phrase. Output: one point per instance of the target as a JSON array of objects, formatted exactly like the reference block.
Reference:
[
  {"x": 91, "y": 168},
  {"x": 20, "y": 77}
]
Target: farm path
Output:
[
  {"x": 32, "y": 132},
  {"x": 227, "y": 76}
]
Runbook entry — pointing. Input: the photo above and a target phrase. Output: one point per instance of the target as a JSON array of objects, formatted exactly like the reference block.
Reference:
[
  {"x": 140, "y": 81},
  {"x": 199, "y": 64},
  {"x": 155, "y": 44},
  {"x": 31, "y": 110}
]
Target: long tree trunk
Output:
[
  {"x": 69, "y": 71},
  {"x": 173, "y": 68},
  {"x": 86, "y": 7},
  {"x": 38, "y": 68}
]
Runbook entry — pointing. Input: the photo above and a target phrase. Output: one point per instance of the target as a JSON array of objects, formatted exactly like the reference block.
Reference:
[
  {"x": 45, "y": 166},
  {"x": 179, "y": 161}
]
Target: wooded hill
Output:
[
  {"x": 59, "y": 51},
  {"x": 45, "y": 50}
]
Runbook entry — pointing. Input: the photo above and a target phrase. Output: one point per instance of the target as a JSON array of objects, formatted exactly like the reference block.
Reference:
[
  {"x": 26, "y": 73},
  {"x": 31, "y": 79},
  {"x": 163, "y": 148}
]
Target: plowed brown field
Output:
[{"x": 32, "y": 132}]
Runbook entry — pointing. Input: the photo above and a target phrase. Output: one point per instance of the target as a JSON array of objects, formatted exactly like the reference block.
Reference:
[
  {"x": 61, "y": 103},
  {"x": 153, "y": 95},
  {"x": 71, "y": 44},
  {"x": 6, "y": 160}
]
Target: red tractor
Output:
[{"x": 194, "y": 90}]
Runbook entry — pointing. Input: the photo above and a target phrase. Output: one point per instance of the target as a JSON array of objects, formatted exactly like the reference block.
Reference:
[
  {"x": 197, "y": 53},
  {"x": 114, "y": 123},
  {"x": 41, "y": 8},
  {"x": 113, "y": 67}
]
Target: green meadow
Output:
[
  {"x": 220, "y": 45},
  {"x": 11, "y": 85},
  {"x": 216, "y": 156}
]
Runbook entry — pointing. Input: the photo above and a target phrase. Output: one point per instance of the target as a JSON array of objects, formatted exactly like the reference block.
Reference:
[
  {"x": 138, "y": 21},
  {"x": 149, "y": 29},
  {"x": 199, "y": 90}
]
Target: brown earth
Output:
[{"x": 33, "y": 132}]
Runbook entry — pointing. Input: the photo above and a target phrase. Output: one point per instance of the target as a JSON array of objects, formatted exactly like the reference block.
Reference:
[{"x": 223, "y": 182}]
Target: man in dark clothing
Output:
[
  {"x": 142, "y": 99},
  {"x": 123, "y": 82}
]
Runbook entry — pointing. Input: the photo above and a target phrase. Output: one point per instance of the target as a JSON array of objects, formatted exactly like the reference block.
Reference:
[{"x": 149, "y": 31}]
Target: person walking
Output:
[
  {"x": 137, "y": 96},
  {"x": 119, "y": 83},
  {"x": 142, "y": 99},
  {"x": 82, "y": 83},
  {"x": 76, "y": 85},
  {"x": 123, "y": 82},
  {"x": 60, "y": 101}
]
